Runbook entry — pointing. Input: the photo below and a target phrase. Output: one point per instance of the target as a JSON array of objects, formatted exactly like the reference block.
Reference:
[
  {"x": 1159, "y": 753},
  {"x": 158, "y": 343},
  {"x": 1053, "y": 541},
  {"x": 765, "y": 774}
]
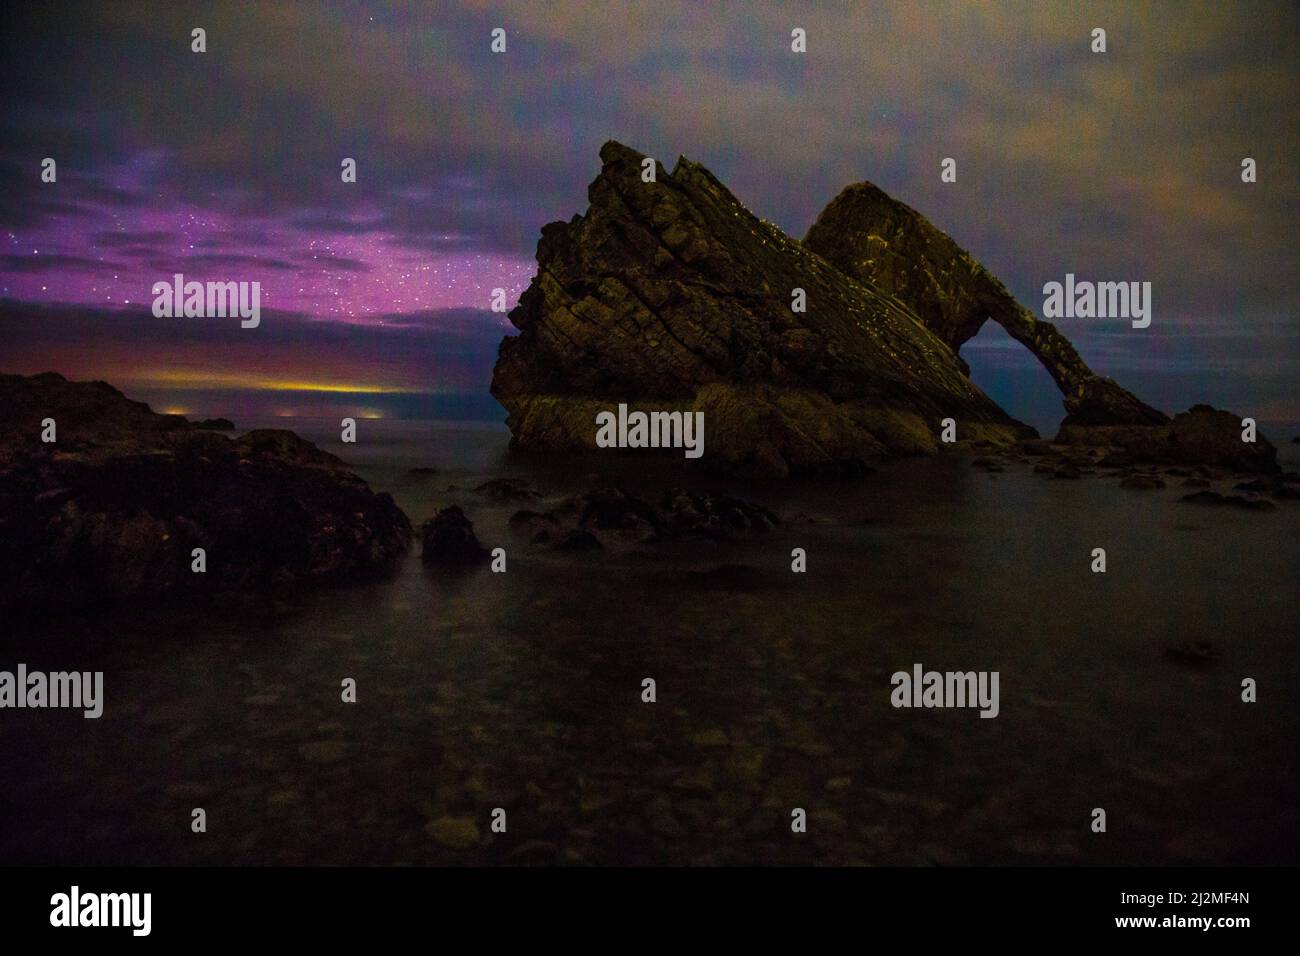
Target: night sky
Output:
[{"x": 225, "y": 166}]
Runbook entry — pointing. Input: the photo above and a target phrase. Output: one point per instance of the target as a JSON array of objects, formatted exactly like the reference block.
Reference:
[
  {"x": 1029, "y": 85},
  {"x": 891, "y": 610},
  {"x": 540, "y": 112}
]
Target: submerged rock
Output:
[
  {"x": 1142, "y": 482},
  {"x": 714, "y": 515},
  {"x": 506, "y": 489},
  {"x": 613, "y": 509},
  {"x": 1193, "y": 653},
  {"x": 449, "y": 539},
  {"x": 579, "y": 539},
  {"x": 1256, "y": 485},
  {"x": 1214, "y": 499},
  {"x": 673, "y": 296},
  {"x": 608, "y": 515},
  {"x": 534, "y": 525},
  {"x": 114, "y": 507}
]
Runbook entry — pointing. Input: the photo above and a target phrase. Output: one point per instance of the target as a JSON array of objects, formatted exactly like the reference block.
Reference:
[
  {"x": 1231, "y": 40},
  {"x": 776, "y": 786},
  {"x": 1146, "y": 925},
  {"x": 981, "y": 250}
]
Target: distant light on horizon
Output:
[{"x": 225, "y": 381}]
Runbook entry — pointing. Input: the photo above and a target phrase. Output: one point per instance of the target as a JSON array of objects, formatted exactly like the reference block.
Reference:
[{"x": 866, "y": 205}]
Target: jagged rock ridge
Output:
[{"x": 672, "y": 295}]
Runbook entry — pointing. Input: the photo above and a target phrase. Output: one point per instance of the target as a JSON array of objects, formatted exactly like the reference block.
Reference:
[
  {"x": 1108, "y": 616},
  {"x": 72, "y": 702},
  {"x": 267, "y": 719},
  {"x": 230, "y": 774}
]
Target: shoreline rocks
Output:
[
  {"x": 609, "y": 515},
  {"x": 1142, "y": 482},
  {"x": 1251, "y": 485},
  {"x": 1202, "y": 435},
  {"x": 112, "y": 509},
  {"x": 1215, "y": 500}
]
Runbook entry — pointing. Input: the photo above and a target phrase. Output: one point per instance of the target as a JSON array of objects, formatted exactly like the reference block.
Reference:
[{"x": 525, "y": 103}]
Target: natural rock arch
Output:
[{"x": 877, "y": 240}]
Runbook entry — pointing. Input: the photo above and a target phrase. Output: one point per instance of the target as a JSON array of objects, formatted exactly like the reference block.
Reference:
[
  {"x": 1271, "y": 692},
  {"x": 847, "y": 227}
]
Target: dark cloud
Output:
[
  {"x": 46, "y": 263},
  {"x": 232, "y": 260},
  {"x": 131, "y": 237},
  {"x": 26, "y": 324},
  {"x": 339, "y": 262}
]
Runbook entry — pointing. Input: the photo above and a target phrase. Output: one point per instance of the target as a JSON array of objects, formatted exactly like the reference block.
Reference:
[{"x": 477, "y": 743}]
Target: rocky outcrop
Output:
[
  {"x": 881, "y": 241},
  {"x": 1199, "y": 436},
  {"x": 506, "y": 489},
  {"x": 449, "y": 540},
  {"x": 671, "y": 295},
  {"x": 610, "y": 515},
  {"x": 112, "y": 509}
]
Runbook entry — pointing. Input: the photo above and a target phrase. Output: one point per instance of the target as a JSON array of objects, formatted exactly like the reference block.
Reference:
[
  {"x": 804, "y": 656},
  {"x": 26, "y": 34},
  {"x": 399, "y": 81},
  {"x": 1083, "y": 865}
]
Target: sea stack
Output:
[{"x": 670, "y": 295}]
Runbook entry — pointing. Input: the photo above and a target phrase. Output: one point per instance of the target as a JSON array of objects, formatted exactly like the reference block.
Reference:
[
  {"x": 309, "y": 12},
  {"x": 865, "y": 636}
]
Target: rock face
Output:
[
  {"x": 883, "y": 242},
  {"x": 671, "y": 295},
  {"x": 114, "y": 507}
]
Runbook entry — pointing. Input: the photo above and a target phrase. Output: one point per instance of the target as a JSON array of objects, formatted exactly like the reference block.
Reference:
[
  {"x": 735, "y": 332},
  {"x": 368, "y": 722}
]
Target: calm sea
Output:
[{"x": 522, "y": 690}]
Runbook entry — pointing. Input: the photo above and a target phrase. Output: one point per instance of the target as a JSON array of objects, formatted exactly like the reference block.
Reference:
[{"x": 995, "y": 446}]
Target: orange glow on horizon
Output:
[{"x": 211, "y": 380}]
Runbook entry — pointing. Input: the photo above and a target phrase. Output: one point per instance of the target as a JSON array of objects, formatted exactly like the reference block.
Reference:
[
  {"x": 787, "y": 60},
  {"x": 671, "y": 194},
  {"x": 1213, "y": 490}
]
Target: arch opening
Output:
[{"x": 1013, "y": 377}]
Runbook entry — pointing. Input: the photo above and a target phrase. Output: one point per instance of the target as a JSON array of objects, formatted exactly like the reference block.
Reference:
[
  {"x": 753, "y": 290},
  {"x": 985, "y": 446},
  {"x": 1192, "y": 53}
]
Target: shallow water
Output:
[{"x": 522, "y": 690}]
